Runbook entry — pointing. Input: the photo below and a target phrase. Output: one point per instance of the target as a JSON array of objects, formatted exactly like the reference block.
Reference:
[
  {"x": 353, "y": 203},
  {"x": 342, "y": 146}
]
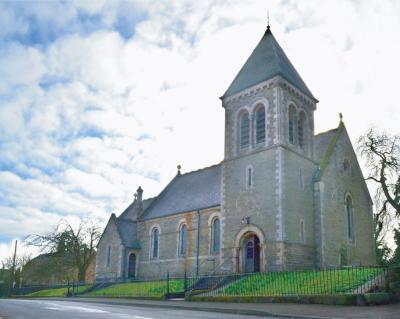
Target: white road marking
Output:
[
  {"x": 59, "y": 307},
  {"x": 51, "y": 305},
  {"x": 123, "y": 315}
]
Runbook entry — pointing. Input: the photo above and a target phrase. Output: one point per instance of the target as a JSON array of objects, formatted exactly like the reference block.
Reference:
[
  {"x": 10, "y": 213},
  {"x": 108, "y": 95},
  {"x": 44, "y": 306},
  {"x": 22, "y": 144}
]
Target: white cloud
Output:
[
  {"x": 90, "y": 115},
  {"x": 21, "y": 66}
]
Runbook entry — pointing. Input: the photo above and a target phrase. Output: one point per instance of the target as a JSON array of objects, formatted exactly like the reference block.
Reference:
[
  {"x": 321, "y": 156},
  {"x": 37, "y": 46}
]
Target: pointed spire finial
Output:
[
  {"x": 341, "y": 117},
  {"x": 179, "y": 169},
  {"x": 268, "y": 27}
]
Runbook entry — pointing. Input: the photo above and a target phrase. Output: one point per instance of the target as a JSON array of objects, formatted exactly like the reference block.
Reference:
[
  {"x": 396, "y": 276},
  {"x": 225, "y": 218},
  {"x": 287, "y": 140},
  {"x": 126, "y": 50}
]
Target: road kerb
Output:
[{"x": 249, "y": 312}]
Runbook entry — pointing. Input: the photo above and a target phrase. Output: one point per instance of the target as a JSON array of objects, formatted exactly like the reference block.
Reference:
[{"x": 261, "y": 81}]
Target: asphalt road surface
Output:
[{"x": 54, "y": 309}]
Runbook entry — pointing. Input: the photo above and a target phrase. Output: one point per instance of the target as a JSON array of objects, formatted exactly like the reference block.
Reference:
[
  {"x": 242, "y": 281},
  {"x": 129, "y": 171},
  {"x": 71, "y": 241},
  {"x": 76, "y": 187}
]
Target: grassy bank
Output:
[
  {"x": 300, "y": 282},
  {"x": 155, "y": 289},
  {"x": 56, "y": 292}
]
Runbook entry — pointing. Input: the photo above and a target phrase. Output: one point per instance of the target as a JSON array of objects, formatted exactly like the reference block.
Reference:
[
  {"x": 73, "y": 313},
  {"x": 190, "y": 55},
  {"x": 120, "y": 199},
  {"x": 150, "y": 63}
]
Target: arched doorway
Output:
[
  {"x": 250, "y": 248},
  {"x": 132, "y": 266}
]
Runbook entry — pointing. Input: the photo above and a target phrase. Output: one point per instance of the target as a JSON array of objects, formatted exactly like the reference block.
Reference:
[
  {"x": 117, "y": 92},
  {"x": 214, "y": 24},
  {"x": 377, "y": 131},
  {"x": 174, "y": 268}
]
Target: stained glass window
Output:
[
  {"x": 155, "y": 240},
  {"x": 350, "y": 221},
  {"x": 183, "y": 235},
  {"x": 244, "y": 130},
  {"x": 216, "y": 235},
  {"x": 260, "y": 125}
]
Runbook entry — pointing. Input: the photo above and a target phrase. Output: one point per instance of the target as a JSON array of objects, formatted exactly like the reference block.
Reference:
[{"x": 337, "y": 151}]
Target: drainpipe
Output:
[{"x": 198, "y": 244}]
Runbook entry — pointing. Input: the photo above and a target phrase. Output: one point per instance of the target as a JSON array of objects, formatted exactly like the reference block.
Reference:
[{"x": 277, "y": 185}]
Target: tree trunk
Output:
[{"x": 81, "y": 274}]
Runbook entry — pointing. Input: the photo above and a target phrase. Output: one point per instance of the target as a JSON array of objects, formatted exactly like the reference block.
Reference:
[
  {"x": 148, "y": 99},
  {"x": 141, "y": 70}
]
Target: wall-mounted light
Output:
[{"x": 246, "y": 220}]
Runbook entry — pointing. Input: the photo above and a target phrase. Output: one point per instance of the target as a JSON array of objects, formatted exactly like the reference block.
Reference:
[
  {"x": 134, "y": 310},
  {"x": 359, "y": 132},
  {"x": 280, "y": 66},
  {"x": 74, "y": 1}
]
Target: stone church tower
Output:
[{"x": 268, "y": 165}]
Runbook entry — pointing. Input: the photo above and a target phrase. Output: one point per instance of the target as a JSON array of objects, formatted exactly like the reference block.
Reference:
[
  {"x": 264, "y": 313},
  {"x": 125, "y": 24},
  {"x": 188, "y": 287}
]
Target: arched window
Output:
[
  {"x": 182, "y": 240},
  {"x": 155, "y": 239},
  {"x": 301, "y": 129},
  {"x": 260, "y": 124},
  {"x": 346, "y": 165},
  {"x": 249, "y": 177},
  {"x": 216, "y": 236},
  {"x": 244, "y": 130},
  {"x": 302, "y": 232},
  {"x": 350, "y": 218},
  {"x": 108, "y": 256},
  {"x": 291, "y": 124}
]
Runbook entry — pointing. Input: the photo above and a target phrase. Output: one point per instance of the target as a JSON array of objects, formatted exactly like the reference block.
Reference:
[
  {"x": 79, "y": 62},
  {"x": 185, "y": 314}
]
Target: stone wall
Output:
[
  {"x": 298, "y": 209},
  {"x": 169, "y": 259},
  {"x": 110, "y": 238},
  {"x": 335, "y": 184}
]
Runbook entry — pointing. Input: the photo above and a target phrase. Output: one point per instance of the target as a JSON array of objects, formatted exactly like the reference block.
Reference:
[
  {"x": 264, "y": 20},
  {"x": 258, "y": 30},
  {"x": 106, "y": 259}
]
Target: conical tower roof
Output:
[{"x": 267, "y": 60}]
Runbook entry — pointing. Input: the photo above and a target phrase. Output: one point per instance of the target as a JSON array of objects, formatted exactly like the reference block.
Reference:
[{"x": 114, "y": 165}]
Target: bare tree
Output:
[
  {"x": 74, "y": 247},
  {"x": 382, "y": 154},
  {"x": 20, "y": 262}
]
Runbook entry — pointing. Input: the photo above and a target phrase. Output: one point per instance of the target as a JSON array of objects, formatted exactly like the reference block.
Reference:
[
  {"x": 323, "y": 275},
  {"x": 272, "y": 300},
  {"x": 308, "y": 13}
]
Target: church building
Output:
[{"x": 282, "y": 198}]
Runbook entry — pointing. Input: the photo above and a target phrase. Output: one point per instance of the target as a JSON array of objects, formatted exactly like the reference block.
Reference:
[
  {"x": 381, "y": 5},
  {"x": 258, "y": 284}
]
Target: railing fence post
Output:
[
  {"x": 168, "y": 284},
  {"x": 185, "y": 283}
]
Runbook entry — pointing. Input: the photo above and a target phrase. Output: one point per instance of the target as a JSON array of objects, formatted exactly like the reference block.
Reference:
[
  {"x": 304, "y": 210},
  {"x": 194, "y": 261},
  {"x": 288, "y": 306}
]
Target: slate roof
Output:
[
  {"x": 188, "y": 192},
  {"x": 321, "y": 143},
  {"x": 267, "y": 60},
  {"x": 127, "y": 230},
  {"x": 130, "y": 212}
]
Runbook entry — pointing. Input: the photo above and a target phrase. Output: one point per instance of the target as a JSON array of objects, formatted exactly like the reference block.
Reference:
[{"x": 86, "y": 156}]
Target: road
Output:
[{"x": 54, "y": 309}]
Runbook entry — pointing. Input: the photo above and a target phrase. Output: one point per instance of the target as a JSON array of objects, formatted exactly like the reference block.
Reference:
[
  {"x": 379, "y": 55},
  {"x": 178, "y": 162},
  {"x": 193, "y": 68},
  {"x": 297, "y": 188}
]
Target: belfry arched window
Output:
[
  {"x": 350, "y": 218},
  {"x": 182, "y": 240},
  {"x": 155, "y": 240},
  {"x": 216, "y": 236},
  {"x": 244, "y": 122},
  {"x": 291, "y": 124},
  {"x": 260, "y": 124},
  {"x": 301, "y": 126}
]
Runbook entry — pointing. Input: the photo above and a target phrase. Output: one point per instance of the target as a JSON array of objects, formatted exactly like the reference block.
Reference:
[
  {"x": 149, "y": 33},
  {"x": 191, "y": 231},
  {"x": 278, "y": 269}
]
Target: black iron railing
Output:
[{"x": 344, "y": 280}]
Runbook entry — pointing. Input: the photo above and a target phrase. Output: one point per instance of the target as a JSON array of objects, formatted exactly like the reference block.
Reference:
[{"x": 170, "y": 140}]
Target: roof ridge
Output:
[
  {"x": 276, "y": 44},
  {"x": 328, "y": 131},
  {"x": 324, "y": 161},
  {"x": 200, "y": 169}
]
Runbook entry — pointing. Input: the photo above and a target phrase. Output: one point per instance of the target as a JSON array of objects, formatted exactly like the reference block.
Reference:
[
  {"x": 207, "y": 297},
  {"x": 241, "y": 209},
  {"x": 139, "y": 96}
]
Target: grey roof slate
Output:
[
  {"x": 321, "y": 143},
  {"x": 267, "y": 60},
  {"x": 188, "y": 192},
  {"x": 131, "y": 213},
  {"x": 127, "y": 230}
]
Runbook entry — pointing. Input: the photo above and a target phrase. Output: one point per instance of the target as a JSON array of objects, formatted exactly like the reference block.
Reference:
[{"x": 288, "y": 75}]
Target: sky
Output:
[{"x": 99, "y": 97}]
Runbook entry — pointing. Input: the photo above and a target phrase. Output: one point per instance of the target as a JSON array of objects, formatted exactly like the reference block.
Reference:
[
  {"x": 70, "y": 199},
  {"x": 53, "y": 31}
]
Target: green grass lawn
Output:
[
  {"x": 56, "y": 292},
  {"x": 139, "y": 289},
  {"x": 300, "y": 282}
]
